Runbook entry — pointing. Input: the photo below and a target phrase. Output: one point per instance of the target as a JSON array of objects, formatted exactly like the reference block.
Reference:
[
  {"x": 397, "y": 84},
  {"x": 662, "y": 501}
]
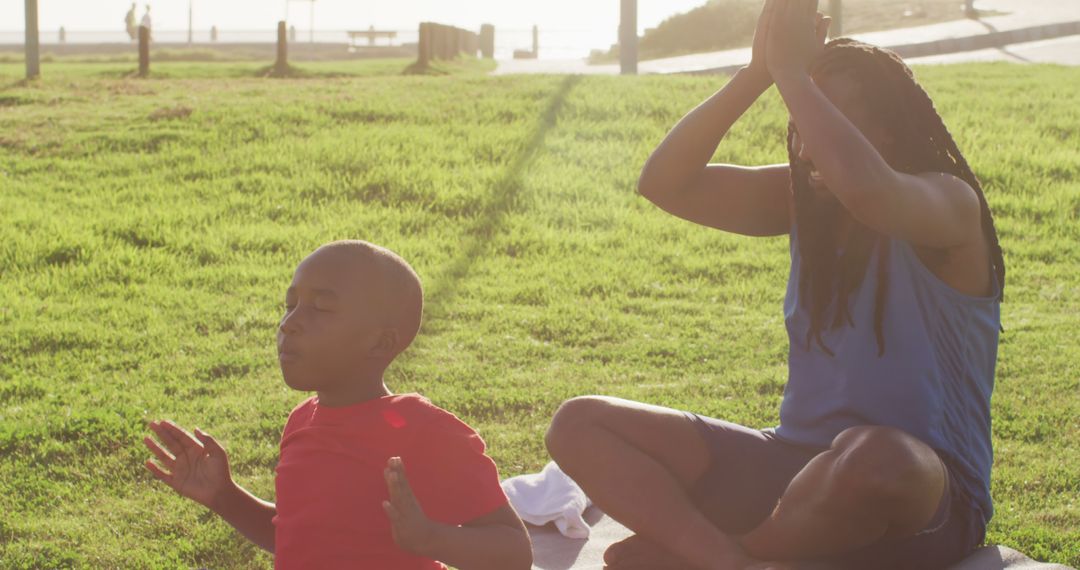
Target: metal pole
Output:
[
  {"x": 628, "y": 38},
  {"x": 312, "y": 38},
  {"x": 33, "y": 56},
  {"x": 190, "y": 34},
  {"x": 836, "y": 10}
]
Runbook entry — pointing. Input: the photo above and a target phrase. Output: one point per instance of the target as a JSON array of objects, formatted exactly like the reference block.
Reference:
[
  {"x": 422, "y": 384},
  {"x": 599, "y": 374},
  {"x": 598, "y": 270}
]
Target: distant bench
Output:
[{"x": 371, "y": 35}]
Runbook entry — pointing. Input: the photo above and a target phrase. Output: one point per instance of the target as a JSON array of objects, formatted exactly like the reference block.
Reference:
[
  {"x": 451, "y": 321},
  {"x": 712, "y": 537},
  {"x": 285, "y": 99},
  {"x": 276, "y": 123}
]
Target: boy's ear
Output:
[{"x": 387, "y": 344}]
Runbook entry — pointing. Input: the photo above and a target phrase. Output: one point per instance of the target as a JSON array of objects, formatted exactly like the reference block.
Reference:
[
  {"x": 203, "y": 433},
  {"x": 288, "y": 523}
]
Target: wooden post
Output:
[
  {"x": 628, "y": 38},
  {"x": 487, "y": 41},
  {"x": 282, "y": 64},
  {"x": 457, "y": 42},
  {"x": 536, "y": 41},
  {"x": 434, "y": 42},
  {"x": 473, "y": 45},
  {"x": 444, "y": 42},
  {"x": 144, "y": 51},
  {"x": 836, "y": 10},
  {"x": 33, "y": 53},
  {"x": 190, "y": 29},
  {"x": 423, "y": 56}
]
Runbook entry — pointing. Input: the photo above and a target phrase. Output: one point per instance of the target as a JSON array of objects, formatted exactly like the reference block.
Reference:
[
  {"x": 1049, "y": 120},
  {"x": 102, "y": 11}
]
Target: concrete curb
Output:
[
  {"x": 951, "y": 45},
  {"x": 990, "y": 40}
]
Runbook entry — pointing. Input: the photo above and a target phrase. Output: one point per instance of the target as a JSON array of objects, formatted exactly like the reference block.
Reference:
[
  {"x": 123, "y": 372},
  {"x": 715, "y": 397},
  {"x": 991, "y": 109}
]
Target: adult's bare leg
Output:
[
  {"x": 636, "y": 462},
  {"x": 873, "y": 483}
]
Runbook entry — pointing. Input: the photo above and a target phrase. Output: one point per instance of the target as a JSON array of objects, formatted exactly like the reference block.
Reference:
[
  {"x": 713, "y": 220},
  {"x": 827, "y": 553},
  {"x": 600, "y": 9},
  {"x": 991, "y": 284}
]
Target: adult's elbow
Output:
[
  {"x": 650, "y": 186},
  {"x": 644, "y": 184}
]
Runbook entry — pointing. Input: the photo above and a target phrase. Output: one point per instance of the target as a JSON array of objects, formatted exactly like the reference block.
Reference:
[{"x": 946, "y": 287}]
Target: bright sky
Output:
[{"x": 599, "y": 15}]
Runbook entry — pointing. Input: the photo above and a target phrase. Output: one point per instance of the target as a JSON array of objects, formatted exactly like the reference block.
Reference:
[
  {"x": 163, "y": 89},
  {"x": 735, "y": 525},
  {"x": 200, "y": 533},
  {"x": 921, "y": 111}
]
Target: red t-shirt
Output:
[{"x": 330, "y": 485}]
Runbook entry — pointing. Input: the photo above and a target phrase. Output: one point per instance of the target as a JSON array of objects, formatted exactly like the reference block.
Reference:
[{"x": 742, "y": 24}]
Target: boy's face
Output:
[{"x": 328, "y": 331}]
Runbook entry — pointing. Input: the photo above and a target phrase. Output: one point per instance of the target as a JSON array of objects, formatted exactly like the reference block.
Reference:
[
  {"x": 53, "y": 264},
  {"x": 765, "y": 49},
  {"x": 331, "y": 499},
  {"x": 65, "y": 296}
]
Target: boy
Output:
[{"x": 348, "y": 455}]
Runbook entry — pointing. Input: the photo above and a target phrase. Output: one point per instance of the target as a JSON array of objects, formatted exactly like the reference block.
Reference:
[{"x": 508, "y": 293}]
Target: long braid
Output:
[
  {"x": 815, "y": 248},
  {"x": 923, "y": 144}
]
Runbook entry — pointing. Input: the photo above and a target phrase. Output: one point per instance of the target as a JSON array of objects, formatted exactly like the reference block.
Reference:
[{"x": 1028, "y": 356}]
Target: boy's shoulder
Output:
[
  {"x": 301, "y": 413},
  {"x": 411, "y": 413},
  {"x": 419, "y": 412}
]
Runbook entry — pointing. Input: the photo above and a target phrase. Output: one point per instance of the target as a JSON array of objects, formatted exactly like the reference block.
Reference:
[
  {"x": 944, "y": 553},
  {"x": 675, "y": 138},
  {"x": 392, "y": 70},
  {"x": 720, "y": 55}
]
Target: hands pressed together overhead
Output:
[{"x": 789, "y": 35}]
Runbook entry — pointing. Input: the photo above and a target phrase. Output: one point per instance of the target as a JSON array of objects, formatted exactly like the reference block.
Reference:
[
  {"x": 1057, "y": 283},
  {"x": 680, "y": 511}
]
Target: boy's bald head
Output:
[{"x": 388, "y": 284}]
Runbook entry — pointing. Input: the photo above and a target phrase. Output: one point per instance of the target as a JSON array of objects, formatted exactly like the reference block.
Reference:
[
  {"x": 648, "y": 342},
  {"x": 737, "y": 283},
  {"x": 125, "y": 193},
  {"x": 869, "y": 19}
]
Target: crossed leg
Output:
[{"x": 637, "y": 462}]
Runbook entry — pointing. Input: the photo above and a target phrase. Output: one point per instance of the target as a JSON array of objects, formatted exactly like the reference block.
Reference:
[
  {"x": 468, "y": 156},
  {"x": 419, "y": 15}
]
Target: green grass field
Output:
[{"x": 150, "y": 228}]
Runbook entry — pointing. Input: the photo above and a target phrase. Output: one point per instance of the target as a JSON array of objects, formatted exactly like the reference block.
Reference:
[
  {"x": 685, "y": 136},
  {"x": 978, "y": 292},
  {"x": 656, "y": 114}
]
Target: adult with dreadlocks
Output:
[{"x": 882, "y": 456}]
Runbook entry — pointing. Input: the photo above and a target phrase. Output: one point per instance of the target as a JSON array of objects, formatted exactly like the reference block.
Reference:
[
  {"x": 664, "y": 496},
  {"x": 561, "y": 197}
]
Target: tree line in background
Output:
[{"x": 727, "y": 24}]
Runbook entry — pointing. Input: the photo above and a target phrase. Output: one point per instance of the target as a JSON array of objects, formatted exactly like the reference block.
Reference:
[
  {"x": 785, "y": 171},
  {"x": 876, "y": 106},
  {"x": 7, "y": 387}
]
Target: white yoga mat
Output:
[{"x": 552, "y": 551}]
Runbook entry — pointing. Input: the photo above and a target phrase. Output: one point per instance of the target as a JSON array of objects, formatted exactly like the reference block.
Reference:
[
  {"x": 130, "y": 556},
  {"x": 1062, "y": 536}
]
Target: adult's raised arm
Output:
[{"x": 746, "y": 200}]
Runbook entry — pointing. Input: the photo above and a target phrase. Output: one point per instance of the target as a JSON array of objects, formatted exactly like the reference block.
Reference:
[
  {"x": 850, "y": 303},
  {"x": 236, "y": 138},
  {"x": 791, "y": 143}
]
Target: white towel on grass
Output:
[{"x": 549, "y": 496}]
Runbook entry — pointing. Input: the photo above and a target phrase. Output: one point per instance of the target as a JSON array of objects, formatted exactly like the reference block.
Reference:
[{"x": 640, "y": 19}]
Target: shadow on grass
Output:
[
  {"x": 491, "y": 218},
  {"x": 239, "y": 72},
  {"x": 18, "y": 84},
  {"x": 293, "y": 72},
  {"x": 455, "y": 66}
]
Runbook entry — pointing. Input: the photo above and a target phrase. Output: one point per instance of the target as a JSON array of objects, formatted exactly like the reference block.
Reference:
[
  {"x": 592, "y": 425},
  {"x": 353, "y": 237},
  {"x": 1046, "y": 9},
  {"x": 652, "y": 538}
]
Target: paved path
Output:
[{"x": 1019, "y": 14}]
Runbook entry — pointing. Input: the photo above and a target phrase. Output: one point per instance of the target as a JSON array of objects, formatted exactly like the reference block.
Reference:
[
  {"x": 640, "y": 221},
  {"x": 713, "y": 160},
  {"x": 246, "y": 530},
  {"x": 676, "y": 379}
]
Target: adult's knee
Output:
[
  {"x": 879, "y": 464},
  {"x": 571, "y": 419}
]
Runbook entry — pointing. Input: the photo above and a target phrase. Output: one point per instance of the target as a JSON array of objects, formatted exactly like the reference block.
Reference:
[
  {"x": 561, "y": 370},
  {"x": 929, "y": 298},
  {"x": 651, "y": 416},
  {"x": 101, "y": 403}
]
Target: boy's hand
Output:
[
  {"x": 196, "y": 467},
  {"x": 413, "y": 531}
]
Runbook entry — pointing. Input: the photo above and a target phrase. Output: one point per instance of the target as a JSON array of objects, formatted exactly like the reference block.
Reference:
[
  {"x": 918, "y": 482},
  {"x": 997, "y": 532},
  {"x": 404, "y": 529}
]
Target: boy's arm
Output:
[
  {"x": 197, "y": 467},
  {"x": 496, "y": 541},
  {"x": 248, "y": 514}
]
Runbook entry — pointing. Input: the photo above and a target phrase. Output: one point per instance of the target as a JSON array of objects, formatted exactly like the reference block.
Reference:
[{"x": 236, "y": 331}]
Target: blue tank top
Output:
[{"x": 934, "y": 380}]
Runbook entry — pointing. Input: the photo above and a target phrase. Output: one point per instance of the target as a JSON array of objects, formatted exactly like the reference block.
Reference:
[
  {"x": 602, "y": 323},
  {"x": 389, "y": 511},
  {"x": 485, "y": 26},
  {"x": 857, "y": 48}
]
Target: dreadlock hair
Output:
[{"x": 922, "y": 144}]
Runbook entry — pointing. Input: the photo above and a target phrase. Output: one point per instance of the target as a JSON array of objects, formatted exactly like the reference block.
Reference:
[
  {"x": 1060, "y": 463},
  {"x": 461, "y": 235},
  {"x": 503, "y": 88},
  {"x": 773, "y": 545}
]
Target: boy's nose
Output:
[{"x": 289, "y": 324}]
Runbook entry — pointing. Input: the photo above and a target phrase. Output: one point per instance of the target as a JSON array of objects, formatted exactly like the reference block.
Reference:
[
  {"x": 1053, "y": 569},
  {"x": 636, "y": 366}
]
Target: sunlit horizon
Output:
[{"x": 574, "y": 23}]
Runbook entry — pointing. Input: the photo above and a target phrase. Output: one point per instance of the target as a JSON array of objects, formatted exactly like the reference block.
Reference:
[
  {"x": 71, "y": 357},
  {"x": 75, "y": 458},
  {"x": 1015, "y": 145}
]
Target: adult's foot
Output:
[
  {"x": 637, "y": 551},
  {"x": 769, "y": 566}
]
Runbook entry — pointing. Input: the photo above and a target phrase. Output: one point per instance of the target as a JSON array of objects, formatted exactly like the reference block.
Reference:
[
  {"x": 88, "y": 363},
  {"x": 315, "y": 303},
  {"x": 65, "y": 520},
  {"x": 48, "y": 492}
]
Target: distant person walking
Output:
[
  {"x": 129, "y": 22},
  {"x": 146, "y": 22}
]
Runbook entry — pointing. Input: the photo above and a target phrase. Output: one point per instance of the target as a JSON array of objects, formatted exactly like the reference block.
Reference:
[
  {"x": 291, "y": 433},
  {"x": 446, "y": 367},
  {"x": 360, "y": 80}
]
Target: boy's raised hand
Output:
[
  {"x": 195, "y": 467},
  {"x": 413, "y": 531}
]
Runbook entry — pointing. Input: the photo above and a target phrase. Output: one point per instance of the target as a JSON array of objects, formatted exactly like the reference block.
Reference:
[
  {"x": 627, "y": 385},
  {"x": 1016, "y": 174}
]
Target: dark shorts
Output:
[{"x": 750, "y": 469}]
